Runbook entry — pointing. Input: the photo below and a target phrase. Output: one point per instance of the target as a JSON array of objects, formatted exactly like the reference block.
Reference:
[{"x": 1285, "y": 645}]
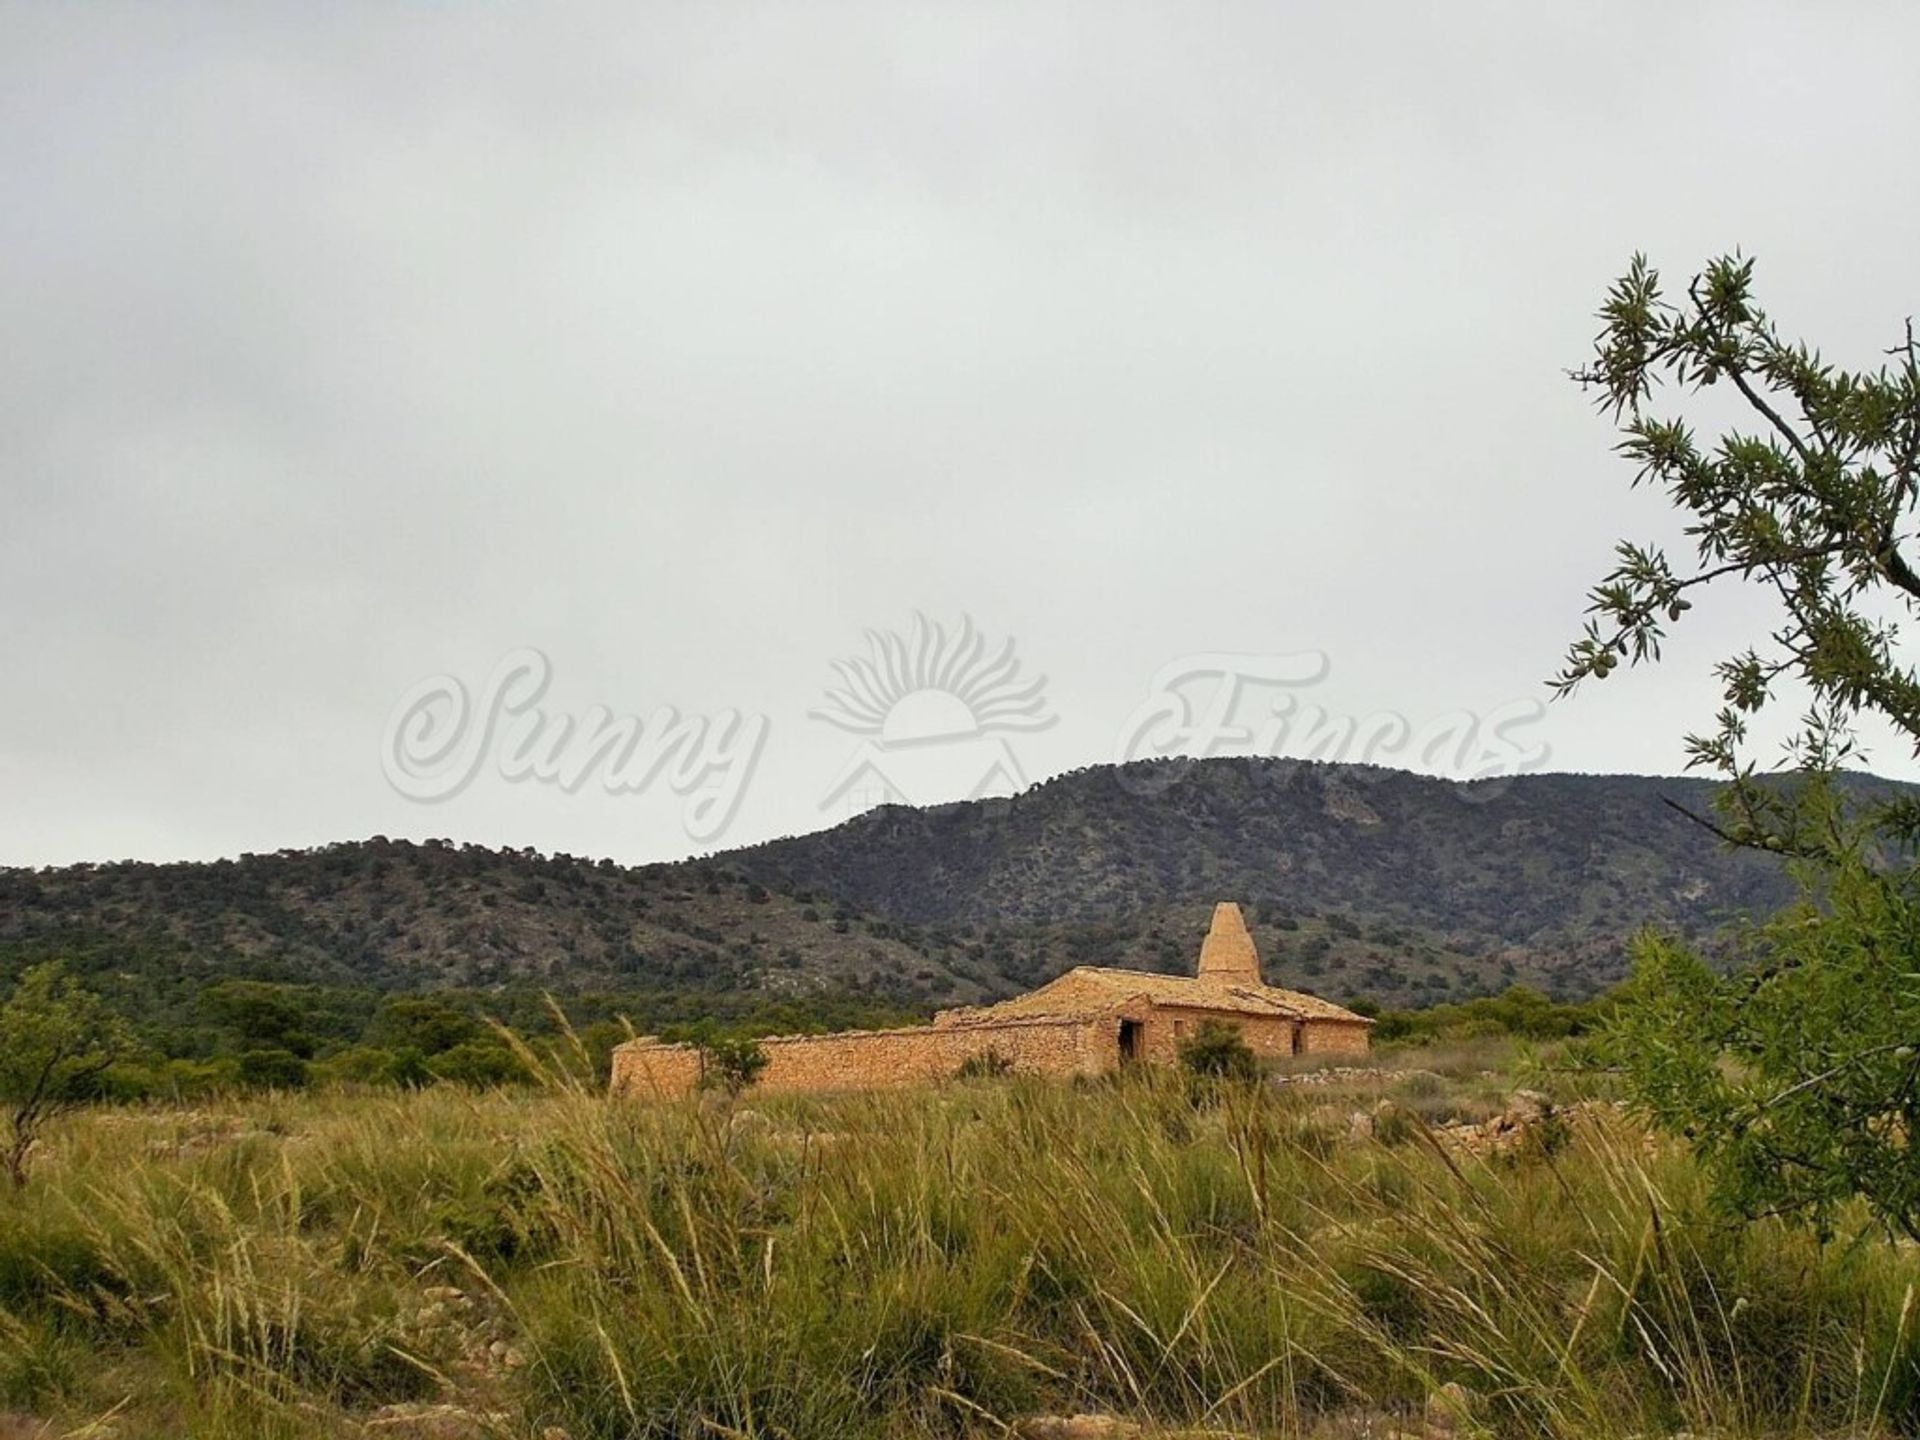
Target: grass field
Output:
[{"x": 547, "y": 1264}]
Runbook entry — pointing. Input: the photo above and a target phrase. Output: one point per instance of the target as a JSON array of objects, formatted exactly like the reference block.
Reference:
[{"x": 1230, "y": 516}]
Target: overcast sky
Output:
[{"x": 350, "y": 352}]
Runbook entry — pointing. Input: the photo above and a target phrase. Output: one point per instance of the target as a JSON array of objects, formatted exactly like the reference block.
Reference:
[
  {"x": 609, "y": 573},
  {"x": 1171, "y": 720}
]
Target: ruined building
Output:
[{"x": 1089, "y": 1021}]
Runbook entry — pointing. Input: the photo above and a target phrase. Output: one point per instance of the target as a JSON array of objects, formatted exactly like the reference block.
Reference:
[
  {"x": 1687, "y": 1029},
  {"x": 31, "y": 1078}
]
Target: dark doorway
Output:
[{"x": 1130, "y": 1031}]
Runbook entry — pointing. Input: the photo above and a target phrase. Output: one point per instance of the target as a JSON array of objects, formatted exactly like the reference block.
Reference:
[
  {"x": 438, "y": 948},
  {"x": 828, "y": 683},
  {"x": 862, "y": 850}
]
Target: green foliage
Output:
[
  {"x": 187, "y": 1028},
  {"x": 1518, "y": 1011},
  {"x": 271, "y": 1070},
  {"x": 1797, "y": 1079},
  {"x": 184, "y": 1079},
  {"x": 1811, "y": 506},
  {"x": 427, "y": 1025},
  {"x": 1216, "y": 1051},
  {"x": 1797, "y": 1075},
  {"x": 479, "y": 1064},
  {"x": 597, "y": 1041},
  {"x": 261, "y": 1016},
  {"x": 732, "y": 1063},
  {"x": 371, "y": 1065},
  {"x": 56, "y": 1042}
]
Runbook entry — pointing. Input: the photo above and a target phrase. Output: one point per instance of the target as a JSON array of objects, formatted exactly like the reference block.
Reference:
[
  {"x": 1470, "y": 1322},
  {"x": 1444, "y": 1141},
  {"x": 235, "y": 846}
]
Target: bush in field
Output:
[
  {"x": 1216, "y": 1051},
  {"x": 370, "y": 1065},
  {"x": 732, "y": 1063},
  {"x": 192, "y": 1079},
  {"x": 426, "y": 1025},
  {"x": 1796, "y": 1082},
  {"x": 989, "y": 1064},
  {"x": 56, "y": 1042},
  {"x": 272, "y": 1070},
  {"x": 1799, "y": 1075},
  {"x": 479, "y": 1064},
  {"x": 260, "y": 1016}
]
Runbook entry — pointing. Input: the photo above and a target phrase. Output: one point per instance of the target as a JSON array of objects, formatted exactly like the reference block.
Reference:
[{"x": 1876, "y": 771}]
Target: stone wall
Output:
[
  {"x": 647, "y": 1069},
  {"x": 1271, "y": 1037},
  {"x": 1168, "y": 1026},
  {"x": 879, "y": 1059},
  {"x": 1059, "y": 1045},
  {"x": 1334, "y": 1037}
]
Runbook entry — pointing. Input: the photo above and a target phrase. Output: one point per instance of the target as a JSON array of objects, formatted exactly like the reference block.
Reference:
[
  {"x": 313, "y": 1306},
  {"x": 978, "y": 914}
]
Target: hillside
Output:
[
  {"x": 395, "y": 915},
  {"x": 1360, "y": 881},
  {"x": 1519, "y": 859},
  {"x": 1539, "y": 876}
]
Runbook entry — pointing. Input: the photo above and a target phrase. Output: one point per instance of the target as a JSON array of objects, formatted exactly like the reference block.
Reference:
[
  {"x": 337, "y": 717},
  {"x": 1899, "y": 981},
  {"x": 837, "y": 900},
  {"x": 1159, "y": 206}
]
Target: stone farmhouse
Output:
[{"x": 1089, "y": 1021}]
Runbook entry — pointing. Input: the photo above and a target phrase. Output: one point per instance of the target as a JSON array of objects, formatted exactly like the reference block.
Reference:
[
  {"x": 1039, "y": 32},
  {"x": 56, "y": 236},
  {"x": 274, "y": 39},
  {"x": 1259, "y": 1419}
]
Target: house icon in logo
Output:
[{"x": 933, "y": 711}]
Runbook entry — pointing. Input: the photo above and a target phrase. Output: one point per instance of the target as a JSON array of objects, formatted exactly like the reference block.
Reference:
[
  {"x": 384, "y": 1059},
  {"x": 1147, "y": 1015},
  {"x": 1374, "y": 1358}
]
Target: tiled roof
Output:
[{"x": 1092, "y": 987}]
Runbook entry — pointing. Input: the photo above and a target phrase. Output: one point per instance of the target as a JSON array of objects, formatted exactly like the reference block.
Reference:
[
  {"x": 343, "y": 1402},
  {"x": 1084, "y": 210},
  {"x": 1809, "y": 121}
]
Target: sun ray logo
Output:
[{"x": 933, "y": 711}]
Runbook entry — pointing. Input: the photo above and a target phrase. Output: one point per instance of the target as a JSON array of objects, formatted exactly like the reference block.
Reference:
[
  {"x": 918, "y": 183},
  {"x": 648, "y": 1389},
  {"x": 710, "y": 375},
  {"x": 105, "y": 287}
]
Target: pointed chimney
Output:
[{"x": 1228, "y": 955}]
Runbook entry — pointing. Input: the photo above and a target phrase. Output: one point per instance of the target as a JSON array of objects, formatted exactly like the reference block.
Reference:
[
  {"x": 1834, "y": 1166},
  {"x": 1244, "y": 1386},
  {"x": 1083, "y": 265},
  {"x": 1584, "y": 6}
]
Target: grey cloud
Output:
[{"x": 347, "y": 347}]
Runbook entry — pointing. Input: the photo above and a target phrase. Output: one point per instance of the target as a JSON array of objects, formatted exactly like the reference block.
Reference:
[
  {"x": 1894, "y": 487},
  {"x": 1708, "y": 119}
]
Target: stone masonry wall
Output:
[
  {"x": 878, "y": 1059},
  {"x": 1334, "y": 1037},
  {"x": 1043, "y": 1045},
  {"x": 646, "y": 1069},
  {"x": 1167, "y": 1026}
]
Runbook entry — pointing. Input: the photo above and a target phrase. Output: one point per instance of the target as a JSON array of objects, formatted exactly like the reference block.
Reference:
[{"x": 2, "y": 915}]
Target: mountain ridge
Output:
[{"x": 1360, "y": 880}]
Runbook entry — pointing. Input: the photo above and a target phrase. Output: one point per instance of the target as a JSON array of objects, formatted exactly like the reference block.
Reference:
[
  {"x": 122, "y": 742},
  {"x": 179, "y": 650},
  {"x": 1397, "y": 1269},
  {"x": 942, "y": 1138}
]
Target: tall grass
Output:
[{"x": 939, "y": 1263}]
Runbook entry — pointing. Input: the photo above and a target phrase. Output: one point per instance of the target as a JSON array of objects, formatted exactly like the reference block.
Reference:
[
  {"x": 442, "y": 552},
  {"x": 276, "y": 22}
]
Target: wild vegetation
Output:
[
  {"x": 56, "y": 1042},
  {"x": 233, "y": 1036},
  {"x": 1799, "y": 1073},
  {"x": 1243, "y": 1258},
  {"x": 1542, "y": 861},
  {"x": 398, "y": 916},
  {"x": 314, "y": 1199}
]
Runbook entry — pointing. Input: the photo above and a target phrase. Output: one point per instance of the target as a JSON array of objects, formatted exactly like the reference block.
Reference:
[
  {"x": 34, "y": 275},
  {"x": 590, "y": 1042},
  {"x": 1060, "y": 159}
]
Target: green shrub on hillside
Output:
[
  {"x": 1518, "y": 1011},
  {"x": 271, "y": 1070},
  {"x": 1798, "y": 1075},
  {"x": 479, "y": 1064}
]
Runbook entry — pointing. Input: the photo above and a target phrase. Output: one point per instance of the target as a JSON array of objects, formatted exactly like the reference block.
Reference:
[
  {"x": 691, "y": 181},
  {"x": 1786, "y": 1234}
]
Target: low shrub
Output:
[
  {"x": 1216, "y": 1051},
  {"x": 989, "y": 1064},
  {"x": 732, "y": 1063}
]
